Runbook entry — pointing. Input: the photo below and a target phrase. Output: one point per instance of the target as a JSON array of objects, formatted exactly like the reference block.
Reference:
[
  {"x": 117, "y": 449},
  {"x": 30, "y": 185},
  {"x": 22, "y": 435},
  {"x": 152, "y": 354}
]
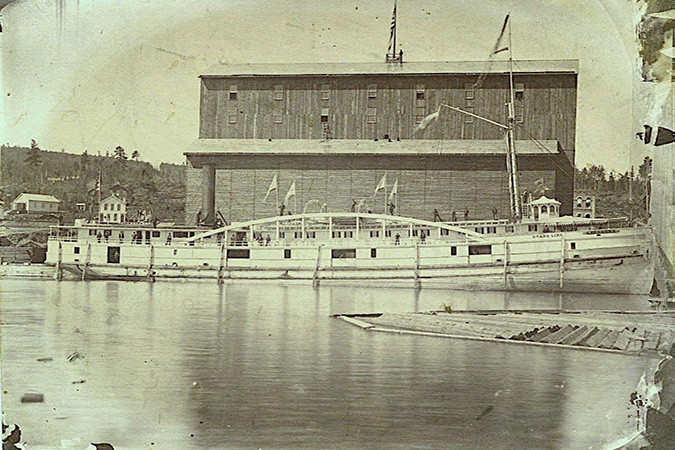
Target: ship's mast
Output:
[{"x": 516, "y": 209}]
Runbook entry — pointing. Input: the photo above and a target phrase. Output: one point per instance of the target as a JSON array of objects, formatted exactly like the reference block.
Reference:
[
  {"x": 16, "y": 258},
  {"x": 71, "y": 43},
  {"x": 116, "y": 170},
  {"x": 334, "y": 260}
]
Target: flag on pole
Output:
[
  {"x": 394, "y": 190},
  {"x": 290, "y": 193},
  {"x": 392, "y": 33},
  {"x": 428, "y": 120},
  {"x": 382, "y": 184},
  {"x": 496, "y": 49},
  {"x": 273, "y": 186}
]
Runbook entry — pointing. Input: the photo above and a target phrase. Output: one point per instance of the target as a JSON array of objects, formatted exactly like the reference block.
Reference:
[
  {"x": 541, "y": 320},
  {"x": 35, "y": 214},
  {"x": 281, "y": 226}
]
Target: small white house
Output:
[
  {"x": 35, "y": 204},
  {"x": 544, "y": 208},
  {"x": 112, "y": 210}
]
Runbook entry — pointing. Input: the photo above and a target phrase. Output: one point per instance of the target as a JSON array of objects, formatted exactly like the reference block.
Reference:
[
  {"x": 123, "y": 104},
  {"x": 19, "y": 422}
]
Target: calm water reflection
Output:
[{"x": 196, "y": 366}]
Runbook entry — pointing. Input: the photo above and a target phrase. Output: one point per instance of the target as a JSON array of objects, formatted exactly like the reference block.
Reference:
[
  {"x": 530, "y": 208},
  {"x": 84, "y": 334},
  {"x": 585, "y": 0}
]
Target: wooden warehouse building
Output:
[{"x": 335, "y": 129}]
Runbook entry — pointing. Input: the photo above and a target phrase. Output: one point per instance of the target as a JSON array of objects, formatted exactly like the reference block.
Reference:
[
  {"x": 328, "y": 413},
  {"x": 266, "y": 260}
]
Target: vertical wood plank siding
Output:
[
  {"x": 549, "y": 107},
  {"x": 476, "y": 182}
]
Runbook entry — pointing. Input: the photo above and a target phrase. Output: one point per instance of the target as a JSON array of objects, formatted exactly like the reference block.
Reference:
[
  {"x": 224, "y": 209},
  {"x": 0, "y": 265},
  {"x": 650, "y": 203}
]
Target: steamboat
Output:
[{"x": 536, "y": 249}]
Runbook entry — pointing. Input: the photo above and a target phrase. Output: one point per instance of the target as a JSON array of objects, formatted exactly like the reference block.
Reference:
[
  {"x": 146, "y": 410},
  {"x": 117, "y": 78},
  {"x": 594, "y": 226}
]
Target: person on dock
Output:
[
  {"x": 466, "y": 213},
  {"x": 397, "y": 239}
]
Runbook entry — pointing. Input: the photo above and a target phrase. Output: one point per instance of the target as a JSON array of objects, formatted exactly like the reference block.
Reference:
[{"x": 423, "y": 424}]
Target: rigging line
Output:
[{"x": 542, "y": 146}]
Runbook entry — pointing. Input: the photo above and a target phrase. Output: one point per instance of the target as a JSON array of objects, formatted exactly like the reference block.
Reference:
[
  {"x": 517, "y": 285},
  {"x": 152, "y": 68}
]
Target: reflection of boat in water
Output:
[{"x": 551, "y": 253}]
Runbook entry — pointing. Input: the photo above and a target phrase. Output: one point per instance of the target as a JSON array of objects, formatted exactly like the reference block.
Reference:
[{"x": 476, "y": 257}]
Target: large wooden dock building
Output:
[{"x": 336, "y": 129}]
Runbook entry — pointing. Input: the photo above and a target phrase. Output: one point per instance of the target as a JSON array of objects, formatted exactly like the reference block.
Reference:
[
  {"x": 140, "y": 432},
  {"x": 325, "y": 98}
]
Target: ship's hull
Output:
[{"x": 624, "y": 275}]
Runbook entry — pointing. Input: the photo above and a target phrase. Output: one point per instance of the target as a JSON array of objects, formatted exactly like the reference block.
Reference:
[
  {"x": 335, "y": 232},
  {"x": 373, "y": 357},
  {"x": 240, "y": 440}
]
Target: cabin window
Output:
[
  {"x": 287, "y": 253},
  {"x": 372, "y": 91},
  {"x": 324, "y": 115},
  {"x": 282, "y": 235},
  {"x": 278, "y": 118},
  {"x": 92, "y": 232},
  {"x": 469, "y": 91},
  {"x": 453, "y": 250},
  {"x": 467, "y": 118},
  {"x": 349, "y": 234},
  {"x": 374, "y": 234},
  {"x": 180, "y": 234},
  {"x": 238, "y": 253},
  {"x": 371, "y": 117},
  {"x": 113, "y": 255},
  {"x": 573, "y": 245},
  {"x": 76, "y": 250},
  {"x": 155, "y": 234},
  {"x": 445, "y": 232},
  {"x": 337, "y": 234},
  {"x": 373, "y": 253},
  {"x": 233, "y": 93},
  {"x": 509, "y": 228},
  {"x": 311, "y": 234},
  {"x": 480, "y": 249},
  {"x": 532, "y": 228},
  {"x": 342, "y": 253},
  {"x": 298, "y": 235},
  {"x": 325, "y": 92},
  {"x": 279, "y": 92}
]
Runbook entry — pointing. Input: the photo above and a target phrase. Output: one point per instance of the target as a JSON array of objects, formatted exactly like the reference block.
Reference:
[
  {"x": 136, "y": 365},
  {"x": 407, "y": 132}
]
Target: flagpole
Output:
[
  {"x": 393, "y": 50},
  {"x": 277, "y": 193},
  {"x": 385, "y": 192}
]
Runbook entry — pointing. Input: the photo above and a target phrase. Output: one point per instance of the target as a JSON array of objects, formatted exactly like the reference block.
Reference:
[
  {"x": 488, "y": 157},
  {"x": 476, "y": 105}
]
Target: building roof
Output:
[
  {"x": 113, "y": 197},
  {"x": 543, "y": 200},
  {"x": 287, "y": 147},
  {"x": 37, "y": 197},
  {"x": 569, "y": 66}
]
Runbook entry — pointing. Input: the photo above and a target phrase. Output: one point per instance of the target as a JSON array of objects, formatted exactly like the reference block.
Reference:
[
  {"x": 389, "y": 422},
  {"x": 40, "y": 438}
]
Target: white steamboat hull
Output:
[{"x": 627, "y": 275}]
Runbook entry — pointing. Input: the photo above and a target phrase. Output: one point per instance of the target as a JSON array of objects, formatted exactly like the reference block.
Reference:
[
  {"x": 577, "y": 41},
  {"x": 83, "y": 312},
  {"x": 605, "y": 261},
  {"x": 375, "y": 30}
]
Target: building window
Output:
[
  {"x": 468, "y": 118},
  {"x": 324, "y": 115},
  {"x": 105, "y": 207},
  {"x": 453, "y": 251},
  {"x": 76, "y": 250},
  {"x": 233, "y": 93},
  {"x": 278, "y": 118},
  {"x": 325, "y": 92},
  {"x": 469, "y": 91},
  {"x": 232, "y": 118},
  {"x": 519, "y": 113},
  {"x": 287, "y": 253},
  {"x": 118, "y": 206},
  {"x": 155, "y": 234},
  {"x": 573, "y": 245},
  {"x": 420, "y": 93},
  {"x": 372, "y": 91},
  {"x": 371, "y": 117},
  {"x": 519, "y": 90},
  {"x": 115, "y": 216},
  {"x": 279, "y": 92},
  {"x": 373, "y": 253}
]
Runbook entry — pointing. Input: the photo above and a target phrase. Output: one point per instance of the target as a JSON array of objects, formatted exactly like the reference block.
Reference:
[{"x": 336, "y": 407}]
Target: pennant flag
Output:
[
  {"x": 496, "y": 49},
  {"x": 391, "y": 48},
  {"x": 273, "y": 186},
  {"x": 382, "y": 184},
  {"x": 290, "y": 193},
  {"x": 664, "y": 136},
  {"x": 394, "y": 190},
  {"x": 428, "y": 120}
]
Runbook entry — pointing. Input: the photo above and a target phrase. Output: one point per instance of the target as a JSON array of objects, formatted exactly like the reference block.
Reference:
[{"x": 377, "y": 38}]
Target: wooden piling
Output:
[
  {"x": 87, "y": 259},
  {"x": 151, "y": 255},
  {"x": 317, "y": 267},
  {"x": 57, "y": 268}
]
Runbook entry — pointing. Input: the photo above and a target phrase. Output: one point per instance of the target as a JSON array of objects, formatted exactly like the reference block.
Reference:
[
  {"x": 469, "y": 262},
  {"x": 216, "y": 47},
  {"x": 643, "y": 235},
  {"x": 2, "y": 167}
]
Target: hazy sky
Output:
[{"x": 96, "y": 74}]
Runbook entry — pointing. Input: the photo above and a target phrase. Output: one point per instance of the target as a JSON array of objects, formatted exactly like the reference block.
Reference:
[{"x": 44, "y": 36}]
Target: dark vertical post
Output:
[{"x": 209, "y": 193}]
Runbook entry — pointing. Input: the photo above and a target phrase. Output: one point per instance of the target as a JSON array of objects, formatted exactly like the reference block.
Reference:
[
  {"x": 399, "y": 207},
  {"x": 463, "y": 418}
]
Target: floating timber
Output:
[{"x": 637, "y": 333}]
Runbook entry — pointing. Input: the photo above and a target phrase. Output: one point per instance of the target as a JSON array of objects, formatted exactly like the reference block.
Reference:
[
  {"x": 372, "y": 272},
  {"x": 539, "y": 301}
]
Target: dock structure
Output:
[{"x": 637, "y": 333}]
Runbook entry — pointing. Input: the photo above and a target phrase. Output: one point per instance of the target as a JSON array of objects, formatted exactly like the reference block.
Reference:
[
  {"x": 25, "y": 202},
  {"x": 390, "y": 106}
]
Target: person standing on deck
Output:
[
  {"x": 353, "y": 205},
  {"x": 423, "y": 237},
  {"x": 397, "y": 239},
  {"x": 392, "y": 207},
  {"x": 437, "y": 216},
  {"x": 495, "y": 213},
  {"x": 454, "y": 216},
  {"x": 466, "y": 213},
  {"x": 282, "y": 208}
]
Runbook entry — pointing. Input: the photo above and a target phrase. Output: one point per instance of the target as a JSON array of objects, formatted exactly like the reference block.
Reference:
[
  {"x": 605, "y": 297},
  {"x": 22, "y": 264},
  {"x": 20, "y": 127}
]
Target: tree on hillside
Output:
[
  {"x": 120, "y": 154},
  {"x": 34, "y": 162},
  {"x": 135, "y": 155},
  {"x": 33, "y": 159}
]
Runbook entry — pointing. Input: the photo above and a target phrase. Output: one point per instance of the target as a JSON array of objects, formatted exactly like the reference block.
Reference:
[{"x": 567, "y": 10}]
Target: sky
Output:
[{"x": 94, "y": 74}]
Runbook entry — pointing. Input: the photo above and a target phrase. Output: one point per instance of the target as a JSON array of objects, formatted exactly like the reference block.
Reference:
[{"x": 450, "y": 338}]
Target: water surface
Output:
[{"x": 195, "y": 365}]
